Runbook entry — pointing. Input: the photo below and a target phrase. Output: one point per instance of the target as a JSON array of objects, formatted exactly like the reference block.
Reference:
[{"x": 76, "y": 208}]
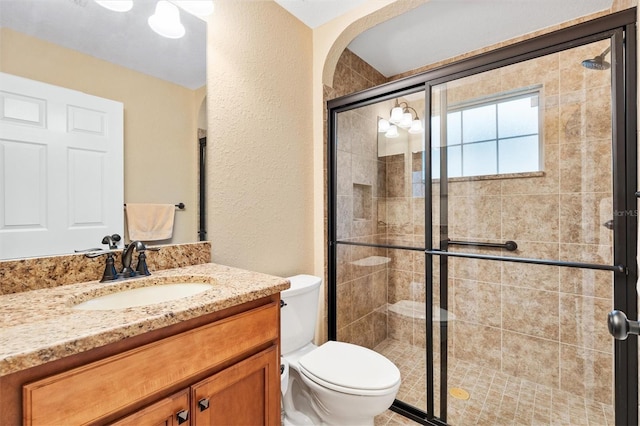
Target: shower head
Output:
[{"x": 597, "y": 63}]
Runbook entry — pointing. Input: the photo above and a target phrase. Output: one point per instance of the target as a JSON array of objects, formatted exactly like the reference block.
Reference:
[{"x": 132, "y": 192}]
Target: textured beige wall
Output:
[
  {"x": 259, "y": 142},
  {"x": 160, "y": 120}
]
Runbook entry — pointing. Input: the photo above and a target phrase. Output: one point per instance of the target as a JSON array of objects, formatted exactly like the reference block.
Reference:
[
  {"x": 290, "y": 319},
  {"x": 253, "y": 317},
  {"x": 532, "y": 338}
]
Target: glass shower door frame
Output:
[{"x": 620, "y": 28}]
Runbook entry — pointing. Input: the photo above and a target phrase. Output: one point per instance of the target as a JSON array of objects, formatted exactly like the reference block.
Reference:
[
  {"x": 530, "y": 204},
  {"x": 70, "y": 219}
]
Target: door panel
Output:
[
  {"x": 64, "y": 150},
  {"x": 530, "y": 338}
]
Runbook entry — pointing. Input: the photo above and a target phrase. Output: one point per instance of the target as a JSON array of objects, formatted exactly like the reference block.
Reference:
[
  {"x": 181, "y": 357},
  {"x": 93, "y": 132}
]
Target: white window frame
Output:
[{"x": 496, "y": 100}]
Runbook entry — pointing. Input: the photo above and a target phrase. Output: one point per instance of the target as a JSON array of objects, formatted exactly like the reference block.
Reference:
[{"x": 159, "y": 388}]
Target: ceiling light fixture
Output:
[
  {"x": 116, "y": 5},
  {"x": 400, "y": 115},
  {"x": 166, "y": 20},
  {"x": 199, "y": 8}
]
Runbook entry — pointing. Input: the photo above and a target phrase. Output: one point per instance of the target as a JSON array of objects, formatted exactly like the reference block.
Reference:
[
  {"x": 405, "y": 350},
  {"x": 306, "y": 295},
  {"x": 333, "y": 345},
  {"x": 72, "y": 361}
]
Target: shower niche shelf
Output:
[{"x": 362, "y": 202}]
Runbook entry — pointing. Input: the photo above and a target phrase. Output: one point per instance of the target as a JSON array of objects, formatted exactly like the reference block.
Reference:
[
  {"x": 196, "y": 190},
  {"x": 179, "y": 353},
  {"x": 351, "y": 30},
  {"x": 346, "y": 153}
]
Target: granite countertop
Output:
[{"x": 39, "y": 326}]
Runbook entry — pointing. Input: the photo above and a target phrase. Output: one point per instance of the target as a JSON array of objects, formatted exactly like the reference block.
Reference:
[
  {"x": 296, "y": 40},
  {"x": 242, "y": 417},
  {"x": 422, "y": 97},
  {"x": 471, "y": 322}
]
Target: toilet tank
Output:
[{"x": 298, "y": 316}]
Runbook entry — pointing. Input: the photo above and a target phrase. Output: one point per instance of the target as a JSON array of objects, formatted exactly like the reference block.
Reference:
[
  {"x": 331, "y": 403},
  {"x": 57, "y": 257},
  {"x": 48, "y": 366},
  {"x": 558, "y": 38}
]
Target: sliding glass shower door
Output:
[
  {"x": 522, "y": 168},
  {"x": 481, "y": 229}
]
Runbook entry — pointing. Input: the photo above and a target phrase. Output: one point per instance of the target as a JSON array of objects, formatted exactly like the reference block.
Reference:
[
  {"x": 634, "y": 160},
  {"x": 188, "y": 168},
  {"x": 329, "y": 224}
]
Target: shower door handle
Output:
[{"x": 620, "y": 327}]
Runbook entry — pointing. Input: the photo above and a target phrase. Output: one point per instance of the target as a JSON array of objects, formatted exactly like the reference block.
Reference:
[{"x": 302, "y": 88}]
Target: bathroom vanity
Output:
[{"x": 212, "y": 358}]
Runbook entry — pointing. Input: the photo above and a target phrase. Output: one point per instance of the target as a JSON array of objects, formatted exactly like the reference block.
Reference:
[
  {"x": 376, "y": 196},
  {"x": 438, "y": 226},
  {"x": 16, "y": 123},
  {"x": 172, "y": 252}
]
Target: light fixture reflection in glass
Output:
[
  {"x": 405, "y": 116},
  {"x": 416, "y": 127},
  {"x": 396, "y": 115},
  {"x": 116, "y": 5},
  {"x": 196, "y": 7},
  {"x": 406, "y": 120},
  {"x": 166, "y": 20},
  {"x": 392, "y": 132},
  {"x": 383, "y": 125}
]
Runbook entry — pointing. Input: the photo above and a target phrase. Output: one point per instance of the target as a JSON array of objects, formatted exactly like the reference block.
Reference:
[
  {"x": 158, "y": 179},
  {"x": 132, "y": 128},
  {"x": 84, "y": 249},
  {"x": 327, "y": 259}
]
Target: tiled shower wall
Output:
[
  {"x": 541, "y": 323},
  {"x": 362, "y": 271}
]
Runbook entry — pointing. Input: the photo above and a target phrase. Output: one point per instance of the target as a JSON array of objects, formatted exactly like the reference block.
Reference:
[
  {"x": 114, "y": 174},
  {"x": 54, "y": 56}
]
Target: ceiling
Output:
[
  {"x": 440, "y": 29},
  {"x": 434, "y": 31},
  {"x": 317, "y": 12}
]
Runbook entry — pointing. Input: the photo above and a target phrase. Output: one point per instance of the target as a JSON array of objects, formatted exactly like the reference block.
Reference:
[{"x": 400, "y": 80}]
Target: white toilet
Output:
[{"x": 336, "y": 383}]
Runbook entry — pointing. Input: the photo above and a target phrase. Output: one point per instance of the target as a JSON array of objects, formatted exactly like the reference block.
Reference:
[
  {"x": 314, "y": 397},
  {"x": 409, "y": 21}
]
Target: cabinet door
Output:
[
  {"x": 170, "y": 411},
  {"x": 247, "y": 393}
]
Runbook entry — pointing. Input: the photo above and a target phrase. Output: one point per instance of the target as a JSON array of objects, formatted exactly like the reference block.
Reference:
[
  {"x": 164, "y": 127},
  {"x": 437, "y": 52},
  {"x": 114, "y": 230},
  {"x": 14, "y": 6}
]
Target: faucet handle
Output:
[
  {"x": 110, "y": 272},
  {"x": 141, "y": 267},
  {"x": 112, "y": 240}
]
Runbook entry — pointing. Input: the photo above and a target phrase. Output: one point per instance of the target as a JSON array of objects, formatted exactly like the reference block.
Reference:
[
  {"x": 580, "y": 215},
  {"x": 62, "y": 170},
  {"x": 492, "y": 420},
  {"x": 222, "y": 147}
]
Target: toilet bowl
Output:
[{"x": 336, "y": 383}]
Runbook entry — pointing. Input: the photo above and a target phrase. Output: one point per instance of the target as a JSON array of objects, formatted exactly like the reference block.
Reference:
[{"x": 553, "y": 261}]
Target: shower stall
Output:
[{"x": 482, "y": 223}]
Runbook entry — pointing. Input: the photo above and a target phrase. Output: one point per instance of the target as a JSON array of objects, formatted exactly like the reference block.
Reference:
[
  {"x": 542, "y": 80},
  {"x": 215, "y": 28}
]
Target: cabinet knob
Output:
[
  {"x": 182, "y": 416},
  {"x": 203, "y": 404}
]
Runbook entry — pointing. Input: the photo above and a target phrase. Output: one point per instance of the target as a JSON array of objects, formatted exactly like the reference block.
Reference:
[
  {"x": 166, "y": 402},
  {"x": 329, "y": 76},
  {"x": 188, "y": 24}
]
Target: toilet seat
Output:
[{"x": 350, "y": 369}]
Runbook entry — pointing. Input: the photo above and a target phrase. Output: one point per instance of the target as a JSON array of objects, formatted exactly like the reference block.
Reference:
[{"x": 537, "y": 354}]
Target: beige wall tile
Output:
[
  {"x": 399, "y": 285},
  {"x": 588, "y": 253},
  {"x": 474, "y": 217},
  {"x": 379, "y": 292},
  {"x": 362, "y": 296},
  {"x": 379, "y": 326},
  {"x": 582, "y": 218},
  {"x": 396, "y": 179},
  {"x": 539, "y": 277},
  {"x": 550, "y": 117},
  {"x": 362, "y": 332},
  {"x": 572, "y": 78},
  {"x": 583, "y": 322},
  {"x": 344, "y": 216},
  {"x": 586, "y": 167},
  {"x": 530, "y": 218},
  {"x": 344, "y": 174},
  {"x": 475, "y": 269},
  {"x": 478, "y": 302},
  {"x": 587, "y": 282},
  {"x": 400, "y": 328},
  {"x": 531, "y": 312},
  {"x": 344, "y": 305},
  {"x": 598, "y": 113},
  {"x": 477, "y": 344},
  {"x": 587, "y": 372},
  {"x": 531, "y": 358}
]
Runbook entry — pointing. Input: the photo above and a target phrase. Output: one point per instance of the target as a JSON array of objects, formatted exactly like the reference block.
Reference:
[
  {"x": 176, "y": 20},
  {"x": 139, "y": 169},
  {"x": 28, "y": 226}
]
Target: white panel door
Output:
[{"x": 61, "y": 169}]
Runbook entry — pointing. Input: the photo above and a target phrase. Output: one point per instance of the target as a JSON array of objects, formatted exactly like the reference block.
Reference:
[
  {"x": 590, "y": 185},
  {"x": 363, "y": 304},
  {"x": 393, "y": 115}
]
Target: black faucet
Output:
[
  {"x": 110, "y": 273},
  {"x": 127, "y": 256}
]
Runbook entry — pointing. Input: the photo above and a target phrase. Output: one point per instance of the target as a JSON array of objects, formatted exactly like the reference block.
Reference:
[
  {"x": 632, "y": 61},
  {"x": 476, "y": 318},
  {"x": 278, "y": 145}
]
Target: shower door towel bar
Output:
[
  {"x": 180, "y": 206},
  {"x": 596, "y": 266},
  {"x": 507, "y": 245}
]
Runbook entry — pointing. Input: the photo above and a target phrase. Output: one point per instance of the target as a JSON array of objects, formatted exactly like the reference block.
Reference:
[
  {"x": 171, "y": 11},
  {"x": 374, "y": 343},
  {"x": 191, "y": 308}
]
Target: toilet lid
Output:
[{"x": 350, "y": 366}]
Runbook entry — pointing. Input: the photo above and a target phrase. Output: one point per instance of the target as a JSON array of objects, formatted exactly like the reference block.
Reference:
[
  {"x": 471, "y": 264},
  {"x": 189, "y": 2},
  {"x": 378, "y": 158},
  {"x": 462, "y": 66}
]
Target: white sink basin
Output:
[{"x": 143, "y": 296}]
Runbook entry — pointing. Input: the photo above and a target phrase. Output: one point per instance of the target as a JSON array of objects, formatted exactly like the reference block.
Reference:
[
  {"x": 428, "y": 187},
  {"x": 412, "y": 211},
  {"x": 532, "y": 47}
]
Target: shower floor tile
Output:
[{"x": 495, "y": 398}]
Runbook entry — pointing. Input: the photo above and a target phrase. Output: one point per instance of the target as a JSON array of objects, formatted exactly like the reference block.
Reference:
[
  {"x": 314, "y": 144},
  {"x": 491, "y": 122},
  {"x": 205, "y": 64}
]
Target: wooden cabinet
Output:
[
  {"x": 239, "y": 395},
  {"x": 170, "y": 411},
  {"x": 233, "y": 363}
]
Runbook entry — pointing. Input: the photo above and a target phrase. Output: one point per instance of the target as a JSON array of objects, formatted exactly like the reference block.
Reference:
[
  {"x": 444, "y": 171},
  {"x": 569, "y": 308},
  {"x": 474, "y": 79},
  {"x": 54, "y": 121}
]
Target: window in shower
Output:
[{"x": 493, "y": 135}]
